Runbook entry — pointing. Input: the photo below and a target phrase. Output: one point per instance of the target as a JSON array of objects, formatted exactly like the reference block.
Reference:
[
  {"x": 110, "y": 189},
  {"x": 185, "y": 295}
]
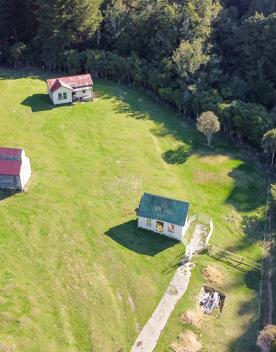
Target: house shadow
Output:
[
  {"x": 139, "y": 240},
  {"x": 38, "y": 102},
  {"x": 6, "y": 193}
]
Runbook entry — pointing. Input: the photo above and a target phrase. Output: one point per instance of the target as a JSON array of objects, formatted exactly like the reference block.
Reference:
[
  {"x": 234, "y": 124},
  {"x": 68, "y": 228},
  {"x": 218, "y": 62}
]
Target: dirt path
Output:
[
  {"x": 159, "y": 150},
  {"x": 196, "y": 242},
  {"x": 148, "y": 337}
]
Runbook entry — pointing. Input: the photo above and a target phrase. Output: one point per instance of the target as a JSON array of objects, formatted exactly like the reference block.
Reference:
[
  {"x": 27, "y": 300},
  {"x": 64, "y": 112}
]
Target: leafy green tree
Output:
[
  {"x": 273, "y": 200},
  {"x": 16, "y": 53},
  {"x": 254, "y": 57},
  {"x": 245, "y": 120},
  {"x": 206, "y": 100},
  {"x": 73, "y": 60},
  {"x": 188, "y": 58},
  {"x": 197, "y": 18},
  {"x": 269, "y": 143},
  {"x": 208, "y": 124},
  {"x": 266, "y": 7}
]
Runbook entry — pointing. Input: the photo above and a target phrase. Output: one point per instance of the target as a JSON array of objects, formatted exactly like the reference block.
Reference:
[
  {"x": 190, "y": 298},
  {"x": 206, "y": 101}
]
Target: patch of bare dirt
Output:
[
  {"x": 203, "y": 177},
  {"x": 214, "y": 159},
  {"x": 192, "y": 317},
  {"x": 186, "y": 342},
  {"x": 6, "y": 348},
  {"x": 213, "y": 275}
]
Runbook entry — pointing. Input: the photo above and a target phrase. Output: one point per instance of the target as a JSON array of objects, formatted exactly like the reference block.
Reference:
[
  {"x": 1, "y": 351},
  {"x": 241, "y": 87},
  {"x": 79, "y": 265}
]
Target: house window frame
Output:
[
  {"x": 59, "y": 96},
  {"x": 162, "y": 226},
  {"x": 64, "y": 95},
  {"x": 148, "y": 222},
  {"x": 83, "y": 91},
  {"x": 171, "y": 228}
]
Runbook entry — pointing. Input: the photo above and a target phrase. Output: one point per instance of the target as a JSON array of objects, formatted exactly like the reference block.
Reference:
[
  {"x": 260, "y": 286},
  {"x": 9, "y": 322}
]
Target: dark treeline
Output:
[{"x": 196, "y": 55}]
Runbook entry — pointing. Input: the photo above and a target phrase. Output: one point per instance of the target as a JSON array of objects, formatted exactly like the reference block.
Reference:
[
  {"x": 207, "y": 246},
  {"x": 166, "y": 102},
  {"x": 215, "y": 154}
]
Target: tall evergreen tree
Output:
[
  {"x": 64, "y": 24},
  {"x": 17, "y": 23}
]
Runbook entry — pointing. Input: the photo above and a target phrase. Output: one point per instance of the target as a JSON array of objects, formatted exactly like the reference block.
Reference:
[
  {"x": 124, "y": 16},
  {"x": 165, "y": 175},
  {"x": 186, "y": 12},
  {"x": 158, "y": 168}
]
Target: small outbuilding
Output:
[
  {"x": 65, "y": 90},
  {"x": 15, "y": 168},
  {"x": 163, "y": 215}
]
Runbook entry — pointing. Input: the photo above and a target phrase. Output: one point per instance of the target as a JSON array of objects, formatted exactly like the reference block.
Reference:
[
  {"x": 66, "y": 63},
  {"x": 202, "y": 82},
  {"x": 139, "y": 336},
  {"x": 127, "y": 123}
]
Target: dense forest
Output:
[{"x": 196, "y": 55}]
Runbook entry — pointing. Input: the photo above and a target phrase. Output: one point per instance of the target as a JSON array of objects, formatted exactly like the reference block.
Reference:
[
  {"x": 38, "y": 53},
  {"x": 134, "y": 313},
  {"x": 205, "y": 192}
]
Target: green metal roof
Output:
[{"x": 163, "y": 209}]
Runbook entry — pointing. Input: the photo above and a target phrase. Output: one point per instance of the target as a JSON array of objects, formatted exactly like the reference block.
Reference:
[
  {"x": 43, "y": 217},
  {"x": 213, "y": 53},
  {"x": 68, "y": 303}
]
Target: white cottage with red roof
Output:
[
  {"x": 15, "y": 168},
  {"x": 64, "y": 90}
]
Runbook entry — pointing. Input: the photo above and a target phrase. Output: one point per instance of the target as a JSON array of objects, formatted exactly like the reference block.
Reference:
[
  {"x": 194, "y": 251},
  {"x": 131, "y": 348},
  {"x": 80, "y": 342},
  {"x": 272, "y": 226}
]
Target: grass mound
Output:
[
  {"x": 213, "y": 276},
  {"x": 186, "y": 342},
  {"x": 193, "y": 317}
]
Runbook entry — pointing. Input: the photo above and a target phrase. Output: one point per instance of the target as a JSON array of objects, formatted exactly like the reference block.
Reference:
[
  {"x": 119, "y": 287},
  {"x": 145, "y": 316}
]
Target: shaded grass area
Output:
[{"x": 75, "y": 272}]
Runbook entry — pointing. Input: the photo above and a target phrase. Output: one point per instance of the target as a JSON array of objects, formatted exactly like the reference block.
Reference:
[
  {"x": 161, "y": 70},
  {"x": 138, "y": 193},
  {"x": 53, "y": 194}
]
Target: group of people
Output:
[{"x": 209, "y": 301}]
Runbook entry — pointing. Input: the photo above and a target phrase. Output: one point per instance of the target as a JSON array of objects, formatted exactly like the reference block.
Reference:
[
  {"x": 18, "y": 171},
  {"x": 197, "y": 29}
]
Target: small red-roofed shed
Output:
[{"x": 15, "y": 169}]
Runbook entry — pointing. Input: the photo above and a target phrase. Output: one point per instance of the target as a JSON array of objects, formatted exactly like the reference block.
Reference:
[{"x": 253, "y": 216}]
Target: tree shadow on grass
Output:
[
  {"x": 177, "y": 156},
  {"x": 38, "y": 102},
  {"x": 247, "y": 341},
  {"x": 139, "y": 240},
  {"x": 253, "y": 228},
  {"x": 249, "y": 191}
]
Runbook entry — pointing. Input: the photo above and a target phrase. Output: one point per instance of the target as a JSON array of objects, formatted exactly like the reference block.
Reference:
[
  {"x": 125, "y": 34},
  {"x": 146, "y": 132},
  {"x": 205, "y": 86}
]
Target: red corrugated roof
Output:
[
  {"x": 10, "y": 167},
  {"x": 72, "y": 81},
  {"x": 57, "y": 84},
  {"x": 10, "y": 152}
]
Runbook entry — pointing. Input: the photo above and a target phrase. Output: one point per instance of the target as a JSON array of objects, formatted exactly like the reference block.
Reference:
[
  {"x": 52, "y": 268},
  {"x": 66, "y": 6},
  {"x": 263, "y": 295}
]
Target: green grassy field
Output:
[{"x": 75, "y": 273}]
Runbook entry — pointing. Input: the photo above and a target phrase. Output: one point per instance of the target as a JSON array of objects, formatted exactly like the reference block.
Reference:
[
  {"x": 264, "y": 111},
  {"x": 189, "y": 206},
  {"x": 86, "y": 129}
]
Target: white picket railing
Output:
[{"x": 205, "y": 220}]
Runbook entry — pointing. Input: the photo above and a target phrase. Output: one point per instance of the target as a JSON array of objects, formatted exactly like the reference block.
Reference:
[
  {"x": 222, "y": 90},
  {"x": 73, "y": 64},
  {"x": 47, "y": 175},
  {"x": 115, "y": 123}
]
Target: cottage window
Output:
[
  {"x": 159, "y": 226},
  {"x": 59, "y": 96},
  {"x": 64, "y": 95},
  {"x": 148, "y": 222},
  {"x": 171, "y": 228},
  {"x": 83, "y": 91}
]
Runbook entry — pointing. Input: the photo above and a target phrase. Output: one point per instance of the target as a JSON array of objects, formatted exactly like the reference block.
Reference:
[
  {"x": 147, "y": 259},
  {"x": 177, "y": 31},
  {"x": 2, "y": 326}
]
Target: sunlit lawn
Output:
[{"x": 75, "y": 273}]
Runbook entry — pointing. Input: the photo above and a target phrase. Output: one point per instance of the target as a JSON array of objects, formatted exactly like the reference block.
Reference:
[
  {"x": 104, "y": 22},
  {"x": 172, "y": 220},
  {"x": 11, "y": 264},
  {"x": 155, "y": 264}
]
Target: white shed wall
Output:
[
  {"x": 25, "y": 172},
  {"x": 81, "y": 94},
  {"x": 179, "y": 231},
  {"x": 61, "y": 90}
]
